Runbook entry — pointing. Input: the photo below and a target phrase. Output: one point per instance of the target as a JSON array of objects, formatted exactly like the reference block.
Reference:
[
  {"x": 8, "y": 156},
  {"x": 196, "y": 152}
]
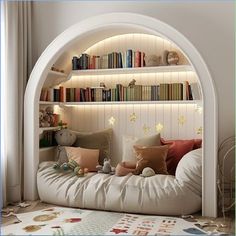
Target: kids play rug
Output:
[{"x": 68, "y": 221}]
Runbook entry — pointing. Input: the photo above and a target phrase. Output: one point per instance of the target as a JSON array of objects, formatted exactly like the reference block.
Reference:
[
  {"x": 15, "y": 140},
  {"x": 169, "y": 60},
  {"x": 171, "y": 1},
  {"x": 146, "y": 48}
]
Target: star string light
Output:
[
  {"x": 159, "y": 127},
  {"x": 112, "y": 121},
  {"x": 181, "y": 120},
  {"x": 132, "y": 117},
  {"x": 146, "y": 129},
  {"x": 199, "y": 130}
]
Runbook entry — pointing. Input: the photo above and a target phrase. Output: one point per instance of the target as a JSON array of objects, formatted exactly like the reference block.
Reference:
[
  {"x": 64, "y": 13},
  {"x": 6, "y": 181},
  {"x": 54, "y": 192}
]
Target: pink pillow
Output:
[
  {"x": 177, "y": 149},
  {"x": 86, "y": 158}
]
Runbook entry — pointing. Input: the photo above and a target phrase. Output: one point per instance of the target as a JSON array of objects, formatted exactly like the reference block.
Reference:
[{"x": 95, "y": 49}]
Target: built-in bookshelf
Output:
[{"x": 164, "y": 98}]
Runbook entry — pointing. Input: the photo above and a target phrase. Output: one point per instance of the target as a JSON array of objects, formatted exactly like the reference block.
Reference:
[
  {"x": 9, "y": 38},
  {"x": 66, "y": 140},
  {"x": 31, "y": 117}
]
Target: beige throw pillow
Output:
[
  {"x": 96, "y": 140},
  {"x": 86, "y": 158},
  {"x": 128, "y": 142}
]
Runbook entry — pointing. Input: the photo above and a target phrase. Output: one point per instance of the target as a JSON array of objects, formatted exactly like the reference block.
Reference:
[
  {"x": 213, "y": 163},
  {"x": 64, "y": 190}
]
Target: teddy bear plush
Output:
[{"x": 106, "y": 168}]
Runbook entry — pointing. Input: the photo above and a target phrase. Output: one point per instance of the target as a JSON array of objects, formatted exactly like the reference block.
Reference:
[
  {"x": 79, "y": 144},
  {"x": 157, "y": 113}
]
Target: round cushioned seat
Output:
[{"x": 159, "y": 194}]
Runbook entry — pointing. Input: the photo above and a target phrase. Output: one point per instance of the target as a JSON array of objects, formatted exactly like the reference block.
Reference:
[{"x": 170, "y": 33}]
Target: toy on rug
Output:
[
  {"x": 106, "y": 168},
  {"x": 147, "y": 172}
]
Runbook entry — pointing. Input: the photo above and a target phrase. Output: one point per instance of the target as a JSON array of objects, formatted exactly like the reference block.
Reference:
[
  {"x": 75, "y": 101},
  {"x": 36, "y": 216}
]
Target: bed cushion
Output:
[
  {"x": 159, "y": 194},
  {"x": 128, "y": 143},
  {"x": 189, "y": 171},
  {"x": 153, "y": 157},
  {"x": 86, "y": 158},
  {"x": 96, "y": 140},
  {"x": 177, "y": 149}
]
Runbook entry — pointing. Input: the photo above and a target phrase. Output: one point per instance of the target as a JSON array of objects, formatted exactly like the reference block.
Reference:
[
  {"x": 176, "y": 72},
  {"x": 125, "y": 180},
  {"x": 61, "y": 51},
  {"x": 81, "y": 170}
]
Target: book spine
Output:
[
  {"x": 77, "y": 94},
  {"x": 129, "y": 58}
]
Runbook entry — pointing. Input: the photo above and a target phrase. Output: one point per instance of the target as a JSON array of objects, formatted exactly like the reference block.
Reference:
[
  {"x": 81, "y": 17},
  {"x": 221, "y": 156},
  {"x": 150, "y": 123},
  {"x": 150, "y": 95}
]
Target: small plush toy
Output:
[
  {"x": 71, "y": 165},
  {"x": 147, "y": 172},
  {"x": 106, "y": 168},
  {"x": 65, "y": 137}
]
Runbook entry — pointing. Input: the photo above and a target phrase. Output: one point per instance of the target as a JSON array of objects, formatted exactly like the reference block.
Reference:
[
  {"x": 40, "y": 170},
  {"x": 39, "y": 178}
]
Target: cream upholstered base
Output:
[{"x": 159, "y": 194}]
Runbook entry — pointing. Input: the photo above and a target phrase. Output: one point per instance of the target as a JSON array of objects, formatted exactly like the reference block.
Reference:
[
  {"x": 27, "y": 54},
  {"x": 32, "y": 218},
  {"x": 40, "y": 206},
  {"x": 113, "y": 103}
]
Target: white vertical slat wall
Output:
[{"x": 178, "y": 120}]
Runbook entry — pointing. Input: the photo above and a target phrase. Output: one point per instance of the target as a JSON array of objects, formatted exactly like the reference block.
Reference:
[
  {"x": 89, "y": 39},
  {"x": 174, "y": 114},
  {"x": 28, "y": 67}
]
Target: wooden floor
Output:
[{"x": 220, "y": 224}]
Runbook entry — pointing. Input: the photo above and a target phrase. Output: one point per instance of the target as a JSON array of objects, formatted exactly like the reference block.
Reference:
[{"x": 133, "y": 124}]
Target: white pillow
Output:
[
  {"x": 128, "y": 142},
  {"x": 189, "y": 170}
]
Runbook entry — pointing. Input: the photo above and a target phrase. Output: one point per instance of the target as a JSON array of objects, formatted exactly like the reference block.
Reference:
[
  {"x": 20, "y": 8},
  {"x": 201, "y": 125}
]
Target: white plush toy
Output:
[
  {"x": 65, "y": 137},
  {"x": 106, "y": 168}
]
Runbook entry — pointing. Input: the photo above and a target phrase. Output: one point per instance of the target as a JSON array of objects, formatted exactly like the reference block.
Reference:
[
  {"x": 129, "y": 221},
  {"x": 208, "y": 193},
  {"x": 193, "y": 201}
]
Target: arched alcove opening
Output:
[{"x": 90, "y": 31}]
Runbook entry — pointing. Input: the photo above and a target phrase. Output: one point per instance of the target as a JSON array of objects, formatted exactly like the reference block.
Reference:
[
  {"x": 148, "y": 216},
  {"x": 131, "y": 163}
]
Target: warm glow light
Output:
[
  {"x": 112, "y": 121},
  {"x": 133, "y": 117},
  {"x": 159, "y": 127},
  {"x": 146, "y": 129},
  {"x": 181, "y": 120},
  {"x": 199, "y": 130}
]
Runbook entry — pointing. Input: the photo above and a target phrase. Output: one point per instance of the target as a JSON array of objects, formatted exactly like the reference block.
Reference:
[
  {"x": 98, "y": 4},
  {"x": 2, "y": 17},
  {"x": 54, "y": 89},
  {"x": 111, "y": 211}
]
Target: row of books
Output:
[
  {"x": 47, "y": 139},
  {"x": 126, "y": 59},
  {"x": 163, "y": 91}
]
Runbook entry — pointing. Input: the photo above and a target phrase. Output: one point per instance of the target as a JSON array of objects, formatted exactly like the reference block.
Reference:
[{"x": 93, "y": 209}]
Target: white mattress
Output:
[{"x": 159, "y": 194}]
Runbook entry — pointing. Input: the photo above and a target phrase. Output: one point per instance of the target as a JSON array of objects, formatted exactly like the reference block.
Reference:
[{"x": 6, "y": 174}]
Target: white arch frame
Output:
[{"x": 154, "y": 26}]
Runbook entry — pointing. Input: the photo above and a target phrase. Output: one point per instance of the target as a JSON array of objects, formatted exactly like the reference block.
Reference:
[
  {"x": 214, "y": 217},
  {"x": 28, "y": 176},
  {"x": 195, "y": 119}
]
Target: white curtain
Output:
[{"x": 16, "y": 66}]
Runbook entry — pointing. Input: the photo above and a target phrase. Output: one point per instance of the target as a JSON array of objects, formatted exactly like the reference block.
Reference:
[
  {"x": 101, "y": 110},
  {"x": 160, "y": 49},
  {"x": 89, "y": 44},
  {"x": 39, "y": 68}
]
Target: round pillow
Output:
[
  {"x": 65, "y": 137},
  {"x": 189, "y": 170}
]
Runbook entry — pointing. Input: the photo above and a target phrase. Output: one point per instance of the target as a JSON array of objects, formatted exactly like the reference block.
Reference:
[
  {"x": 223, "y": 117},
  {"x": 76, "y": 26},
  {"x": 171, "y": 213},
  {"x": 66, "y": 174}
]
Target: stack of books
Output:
[
  {"x": 127, "y": 59},
  {"x": 159, "y": 92}
]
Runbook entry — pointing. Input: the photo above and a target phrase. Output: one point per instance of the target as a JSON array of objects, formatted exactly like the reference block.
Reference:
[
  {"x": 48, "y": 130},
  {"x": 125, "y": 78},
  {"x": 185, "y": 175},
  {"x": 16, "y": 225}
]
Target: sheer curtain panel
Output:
[{"x": 16, "y": 66}]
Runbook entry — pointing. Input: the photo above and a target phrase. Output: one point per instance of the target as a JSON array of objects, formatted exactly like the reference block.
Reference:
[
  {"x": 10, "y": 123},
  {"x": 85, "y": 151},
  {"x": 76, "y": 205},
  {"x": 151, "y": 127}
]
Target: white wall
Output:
[{"x": 209, "y": 25}]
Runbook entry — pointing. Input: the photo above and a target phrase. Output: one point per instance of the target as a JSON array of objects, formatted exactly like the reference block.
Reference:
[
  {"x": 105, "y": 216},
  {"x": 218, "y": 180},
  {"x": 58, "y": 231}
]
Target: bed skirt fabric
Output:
[{"x": 159, "y": 194}]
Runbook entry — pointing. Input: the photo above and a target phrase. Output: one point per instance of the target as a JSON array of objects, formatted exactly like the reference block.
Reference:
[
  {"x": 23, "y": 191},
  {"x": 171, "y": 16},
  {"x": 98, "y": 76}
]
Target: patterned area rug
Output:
[{"x": 70, "y": 221}]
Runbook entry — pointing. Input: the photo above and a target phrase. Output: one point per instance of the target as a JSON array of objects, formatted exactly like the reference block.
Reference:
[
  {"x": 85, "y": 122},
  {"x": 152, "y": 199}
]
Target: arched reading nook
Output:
[{"x": 173, "y": 118}]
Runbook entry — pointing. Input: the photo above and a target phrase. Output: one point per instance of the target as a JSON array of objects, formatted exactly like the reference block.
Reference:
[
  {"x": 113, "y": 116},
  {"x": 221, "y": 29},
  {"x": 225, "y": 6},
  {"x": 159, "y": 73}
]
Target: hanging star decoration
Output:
[
  {"x": 146, "y": 129},
  {"x": 159, "y": 127},
  {"x": 199, "y": 130},
  {"x": 181, "y": 120},
  {"x": 112, "y": 121},
  {"x": 133, "y": 117},
  {"x": 198, "y": 109}
]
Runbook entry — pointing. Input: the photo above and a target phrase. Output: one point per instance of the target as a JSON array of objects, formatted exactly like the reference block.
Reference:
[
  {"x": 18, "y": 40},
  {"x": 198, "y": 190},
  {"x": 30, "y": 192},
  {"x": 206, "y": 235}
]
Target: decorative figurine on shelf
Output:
[
  {"x": 47, "y": 117},
  {"x": 152, "y": 60},
  {"x": 172, "y": 58},
  {"x": 132, "y": 83},
  {"x": 53, "y": 68},
  {"x": 102, "y": 84},
  {"x": 106, "y": 168},
  {"x": 62, "y": 125}
]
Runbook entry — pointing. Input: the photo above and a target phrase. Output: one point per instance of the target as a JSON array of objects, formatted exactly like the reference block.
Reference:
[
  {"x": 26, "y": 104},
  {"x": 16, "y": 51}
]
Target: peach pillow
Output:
[
  {"x": 124, "y": 168},
  {"x": 153, "y": 157},
  {"x": 177, "y": 149},
  {"x": 86, "y": 158}
]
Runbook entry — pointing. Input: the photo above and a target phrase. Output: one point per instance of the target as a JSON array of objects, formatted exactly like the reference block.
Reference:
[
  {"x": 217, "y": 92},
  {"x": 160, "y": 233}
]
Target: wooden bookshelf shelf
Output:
[
  {"x": 122, "y": 103},
  {"x": 55, "y": 78},
  {"x": 48, "y": 103},
  {"x": 42, "y": 149},
  {"x": 136, "y": 70},
  {"x": 42, "y": 129}
]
